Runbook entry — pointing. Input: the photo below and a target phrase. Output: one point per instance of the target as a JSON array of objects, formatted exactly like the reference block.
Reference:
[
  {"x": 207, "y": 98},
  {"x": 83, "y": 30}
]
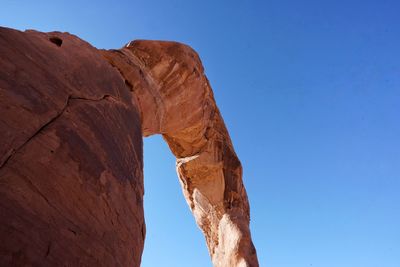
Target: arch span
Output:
[{"x": 175, "y": 99}]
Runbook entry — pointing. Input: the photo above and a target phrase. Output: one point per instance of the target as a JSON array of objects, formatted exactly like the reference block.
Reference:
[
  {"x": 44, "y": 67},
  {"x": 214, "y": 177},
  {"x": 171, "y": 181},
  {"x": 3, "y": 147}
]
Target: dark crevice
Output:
[
  {"x": 56, "y": 40},
  {"x": 72, "y": 231},
  {"x": 15, "y": 150},
  {"x": 48, "y": 249},
  {"x": 129, "y": 85}
]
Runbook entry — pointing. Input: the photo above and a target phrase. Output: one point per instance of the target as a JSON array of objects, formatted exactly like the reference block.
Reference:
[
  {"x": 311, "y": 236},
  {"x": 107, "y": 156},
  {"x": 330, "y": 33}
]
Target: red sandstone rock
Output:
[
  {"x": 71, "y": 184},
  {"x": 71, "y": 156},
  {"x": 174, "y": 87}
]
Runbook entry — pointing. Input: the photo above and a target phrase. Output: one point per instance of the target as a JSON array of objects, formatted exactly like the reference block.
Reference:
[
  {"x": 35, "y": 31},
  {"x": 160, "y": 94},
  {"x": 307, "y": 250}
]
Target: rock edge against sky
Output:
[{"x": 71, "y": 159}]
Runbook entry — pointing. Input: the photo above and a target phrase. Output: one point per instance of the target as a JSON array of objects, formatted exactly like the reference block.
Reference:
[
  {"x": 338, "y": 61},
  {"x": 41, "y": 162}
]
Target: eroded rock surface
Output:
[
  {"x": 175, "y": 88},
  {"x": 70, "y": 156},
  {"x": 71, "y": 183}
]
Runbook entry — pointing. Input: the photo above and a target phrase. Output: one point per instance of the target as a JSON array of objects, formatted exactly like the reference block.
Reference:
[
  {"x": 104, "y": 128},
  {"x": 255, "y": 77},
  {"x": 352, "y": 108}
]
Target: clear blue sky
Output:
[{"x": 310, "y": 92}]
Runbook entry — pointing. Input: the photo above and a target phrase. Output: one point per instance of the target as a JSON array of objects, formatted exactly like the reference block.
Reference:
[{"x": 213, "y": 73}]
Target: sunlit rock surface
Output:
[{"x": 71, "y": 172}]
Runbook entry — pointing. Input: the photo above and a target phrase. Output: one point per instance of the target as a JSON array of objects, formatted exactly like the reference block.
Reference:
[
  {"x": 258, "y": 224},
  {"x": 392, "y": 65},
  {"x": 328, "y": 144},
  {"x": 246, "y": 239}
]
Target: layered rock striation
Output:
[{"x": 71, "y": 163}]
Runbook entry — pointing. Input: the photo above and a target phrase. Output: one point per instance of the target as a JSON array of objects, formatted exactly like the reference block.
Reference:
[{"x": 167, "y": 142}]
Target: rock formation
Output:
[{"x": 71, "y": 172}]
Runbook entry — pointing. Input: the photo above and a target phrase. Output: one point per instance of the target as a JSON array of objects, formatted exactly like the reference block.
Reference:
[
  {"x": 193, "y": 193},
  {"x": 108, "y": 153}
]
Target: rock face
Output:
[
  {"x": 71, "y": 172},
  {"x": 71, "y": 182},
  {"x": 174, "y": 88}
]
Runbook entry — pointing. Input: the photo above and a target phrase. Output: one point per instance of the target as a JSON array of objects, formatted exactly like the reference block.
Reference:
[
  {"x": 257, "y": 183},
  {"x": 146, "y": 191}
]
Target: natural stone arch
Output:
[
  {"x": 175, "y": 98},
  {"x": 71, "y": 161}
]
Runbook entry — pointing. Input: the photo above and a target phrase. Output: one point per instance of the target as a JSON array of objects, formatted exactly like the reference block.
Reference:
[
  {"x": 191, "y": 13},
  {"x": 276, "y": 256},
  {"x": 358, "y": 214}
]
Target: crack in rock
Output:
[{"x": 13, "y": 151}]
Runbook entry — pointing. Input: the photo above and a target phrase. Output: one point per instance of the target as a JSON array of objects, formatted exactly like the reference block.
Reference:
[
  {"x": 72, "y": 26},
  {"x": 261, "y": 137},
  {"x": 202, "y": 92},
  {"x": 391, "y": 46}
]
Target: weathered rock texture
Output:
[
  {"x": 71, "y": 176},
  {"x": 70, "y": 156},
  {"x": 176, "y": 91}
]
